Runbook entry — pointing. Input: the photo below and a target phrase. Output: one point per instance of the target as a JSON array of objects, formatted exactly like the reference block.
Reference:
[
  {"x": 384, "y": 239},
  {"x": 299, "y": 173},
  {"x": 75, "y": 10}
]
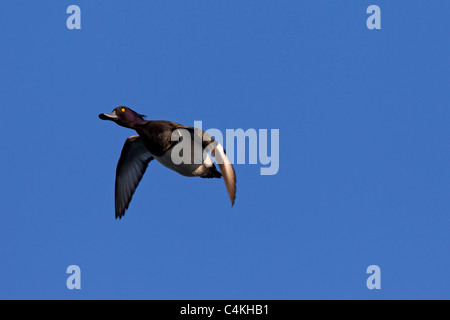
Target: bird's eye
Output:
[{"x": 123, "y": 109}]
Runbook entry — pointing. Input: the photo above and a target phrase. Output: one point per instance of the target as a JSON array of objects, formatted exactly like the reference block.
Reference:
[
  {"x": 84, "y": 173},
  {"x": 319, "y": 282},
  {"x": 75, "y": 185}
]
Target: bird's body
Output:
[
  {"x": 157, "y": 136},
  {"x": 161, "y": 140}
]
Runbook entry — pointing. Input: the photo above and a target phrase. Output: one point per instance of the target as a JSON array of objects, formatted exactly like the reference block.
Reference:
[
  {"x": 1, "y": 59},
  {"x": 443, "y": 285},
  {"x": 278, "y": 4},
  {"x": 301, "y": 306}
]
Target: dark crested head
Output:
[{"x": 123, "y": 116}]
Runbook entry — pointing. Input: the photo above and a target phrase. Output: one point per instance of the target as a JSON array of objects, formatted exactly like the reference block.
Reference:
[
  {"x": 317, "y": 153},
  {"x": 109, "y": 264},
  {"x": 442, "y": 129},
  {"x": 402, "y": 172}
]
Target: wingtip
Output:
[{"x": 119, "y": 216}]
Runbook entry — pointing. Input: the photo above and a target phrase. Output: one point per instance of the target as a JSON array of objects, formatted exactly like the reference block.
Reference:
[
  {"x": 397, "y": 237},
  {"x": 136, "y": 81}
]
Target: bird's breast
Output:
[{"x": 191, "y": 167}]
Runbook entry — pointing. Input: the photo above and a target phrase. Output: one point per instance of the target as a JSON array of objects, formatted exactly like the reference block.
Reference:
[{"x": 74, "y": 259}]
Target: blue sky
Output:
[{"x": 364, "y": 152}]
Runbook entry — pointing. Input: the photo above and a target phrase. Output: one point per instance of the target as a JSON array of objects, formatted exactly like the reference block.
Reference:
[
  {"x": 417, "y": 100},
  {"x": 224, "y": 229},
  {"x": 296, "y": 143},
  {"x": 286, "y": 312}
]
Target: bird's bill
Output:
[{"x": 108, "y": 116}]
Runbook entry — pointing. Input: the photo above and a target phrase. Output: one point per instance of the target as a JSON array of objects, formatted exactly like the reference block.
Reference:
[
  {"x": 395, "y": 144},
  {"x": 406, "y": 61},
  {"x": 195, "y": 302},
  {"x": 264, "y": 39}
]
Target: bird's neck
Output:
[{"x": 136, "y": 125}]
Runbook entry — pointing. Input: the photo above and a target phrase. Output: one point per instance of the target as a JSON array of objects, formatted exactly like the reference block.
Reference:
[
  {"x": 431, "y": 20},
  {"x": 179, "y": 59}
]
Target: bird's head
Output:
[{"x": 124, "y": 117}]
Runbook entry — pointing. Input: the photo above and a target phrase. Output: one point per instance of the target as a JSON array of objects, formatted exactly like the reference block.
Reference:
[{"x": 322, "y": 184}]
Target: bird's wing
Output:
[
  {"x": 229, "y": 176},
  {"x": 228, "y": 173},
  {"x": 133, "y": 162}
]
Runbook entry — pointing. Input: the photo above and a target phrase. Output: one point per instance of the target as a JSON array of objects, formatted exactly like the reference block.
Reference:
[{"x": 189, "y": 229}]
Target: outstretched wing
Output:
[
  {"x": 228, "y": 174},
  {"x": 226, "y": 168},
  {"x": 133, "y": 162}
]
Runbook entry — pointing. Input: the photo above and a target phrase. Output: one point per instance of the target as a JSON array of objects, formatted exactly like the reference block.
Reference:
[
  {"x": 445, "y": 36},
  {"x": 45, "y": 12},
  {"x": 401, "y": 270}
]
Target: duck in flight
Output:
[{"x": 160, "y": 140}]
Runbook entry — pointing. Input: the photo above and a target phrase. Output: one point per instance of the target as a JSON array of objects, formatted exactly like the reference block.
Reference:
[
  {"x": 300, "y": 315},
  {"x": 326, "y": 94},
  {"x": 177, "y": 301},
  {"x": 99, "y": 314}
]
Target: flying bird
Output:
[{"x": 160, "y": 140}]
